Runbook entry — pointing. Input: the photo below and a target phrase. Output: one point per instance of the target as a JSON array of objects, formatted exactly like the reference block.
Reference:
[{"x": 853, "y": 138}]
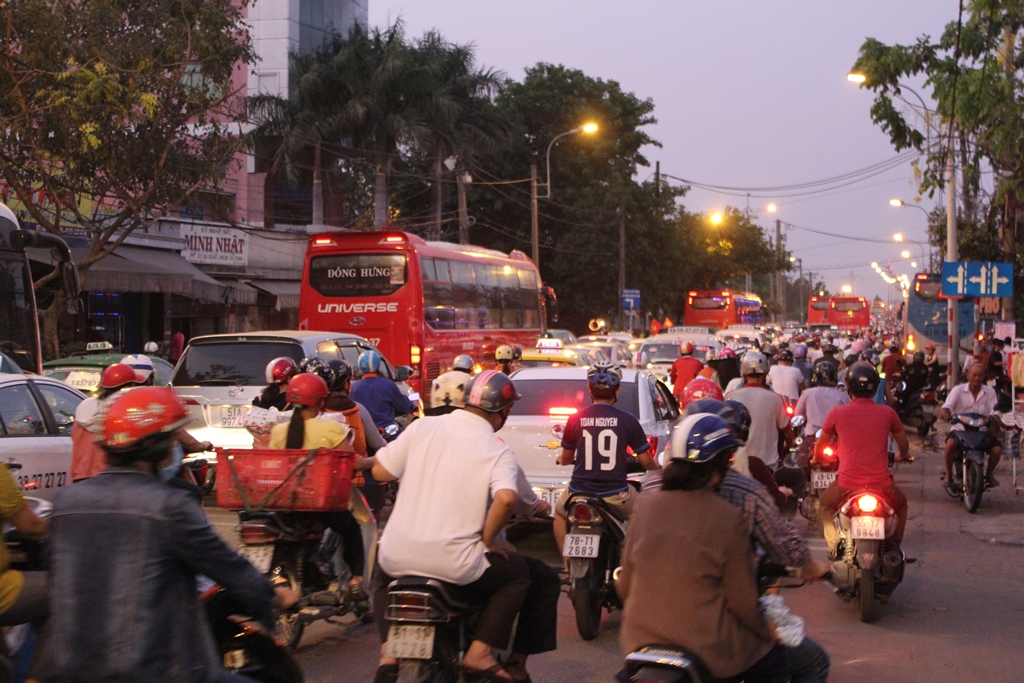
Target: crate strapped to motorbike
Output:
[{"x": 285, "y": 479}]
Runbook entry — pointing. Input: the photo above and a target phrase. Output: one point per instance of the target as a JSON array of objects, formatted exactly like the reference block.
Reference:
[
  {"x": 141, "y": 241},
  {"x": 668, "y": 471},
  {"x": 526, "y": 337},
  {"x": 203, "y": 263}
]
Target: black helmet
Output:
[
  {"x": 492, "y": 391},
  {"x": 738, "y": 417},
  {"x": 918, "y": 356},
  {"x": 343, "y": 373},
  {"x": 786, "y": 355},
  {"x": 769, "y": 350},
  {"x": 318, "y": 366},
  {"x": 829, "y": 348},
  {"x": 824, "y": 375},
  {"x": 862, "y": 380}
]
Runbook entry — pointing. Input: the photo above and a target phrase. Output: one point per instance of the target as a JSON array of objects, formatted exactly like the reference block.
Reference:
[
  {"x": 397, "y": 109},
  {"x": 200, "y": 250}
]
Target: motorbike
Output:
[
  {"x": 245, "y": 648},
  {"x": 592, "y": 547},
  {"x": 969, "y": 459},
  {"x": 823, "y": 470},
  {"x": 299, "y": 549},
  {"x": 866, "y": 565},
  {"x": 916, "y": 409}
]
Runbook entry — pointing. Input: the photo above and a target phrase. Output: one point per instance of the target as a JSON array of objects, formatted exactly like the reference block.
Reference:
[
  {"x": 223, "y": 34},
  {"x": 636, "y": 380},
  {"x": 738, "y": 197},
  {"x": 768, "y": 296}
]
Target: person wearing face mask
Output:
[{"x": 125, "y": 552}]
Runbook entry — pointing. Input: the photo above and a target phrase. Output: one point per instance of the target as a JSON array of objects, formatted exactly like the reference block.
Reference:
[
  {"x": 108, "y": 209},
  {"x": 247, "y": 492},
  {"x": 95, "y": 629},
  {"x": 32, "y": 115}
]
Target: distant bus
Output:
[
  {"x": 848, "y": 313},
  {"x": 718, "y": 309},
  {"x": 926, "y": 318},
  {"x": 421, "y": 303}
]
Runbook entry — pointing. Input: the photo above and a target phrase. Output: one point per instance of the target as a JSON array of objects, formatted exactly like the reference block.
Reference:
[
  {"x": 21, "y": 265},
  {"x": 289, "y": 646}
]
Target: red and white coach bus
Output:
[{"x": 421, "y": 303}]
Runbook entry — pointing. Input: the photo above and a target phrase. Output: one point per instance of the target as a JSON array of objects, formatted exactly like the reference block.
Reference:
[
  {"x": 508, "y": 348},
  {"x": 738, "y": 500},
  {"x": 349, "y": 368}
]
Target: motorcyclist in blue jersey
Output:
[{"x": 381, "y": 396}]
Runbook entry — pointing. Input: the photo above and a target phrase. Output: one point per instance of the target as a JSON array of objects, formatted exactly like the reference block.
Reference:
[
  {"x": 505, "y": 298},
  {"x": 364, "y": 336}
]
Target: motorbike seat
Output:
[
  {"x": 597, "y": 502},
  {"x": 443, "y": 590}
]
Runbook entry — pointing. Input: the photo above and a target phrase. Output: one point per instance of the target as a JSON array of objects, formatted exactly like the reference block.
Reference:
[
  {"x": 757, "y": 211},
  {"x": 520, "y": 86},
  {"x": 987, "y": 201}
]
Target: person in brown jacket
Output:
[{"x": 693, "y": 585}]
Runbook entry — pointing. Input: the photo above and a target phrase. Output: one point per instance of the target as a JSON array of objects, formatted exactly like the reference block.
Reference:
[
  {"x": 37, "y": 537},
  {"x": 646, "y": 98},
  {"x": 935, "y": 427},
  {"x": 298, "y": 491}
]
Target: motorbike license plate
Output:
[
  {"x": 232, "y": 416},
  {"x": 870, "y": 528},
  {"x": 581, "y": 545},
  {"x": 822, "y": 479},
  {"x": 406, "y": 641},
  {"x": 260, "y": 556}
]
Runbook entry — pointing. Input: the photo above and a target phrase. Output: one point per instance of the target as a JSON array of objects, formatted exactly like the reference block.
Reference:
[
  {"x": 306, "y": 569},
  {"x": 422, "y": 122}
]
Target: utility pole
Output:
[
  {"x": 952, "y": 254},
  {"x": 460, "y": 184},
  {"x": 534, "y": 228},
  {"x": 622, "y": 255},
  {"x": 780, "y": 274}
]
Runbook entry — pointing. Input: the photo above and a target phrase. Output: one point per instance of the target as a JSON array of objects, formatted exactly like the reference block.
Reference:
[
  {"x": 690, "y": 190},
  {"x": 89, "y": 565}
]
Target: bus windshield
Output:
[
  {"x": 358, "y": 274},
  {"x": 18, "y": 339},
  {"x": 707, "y": 303}
]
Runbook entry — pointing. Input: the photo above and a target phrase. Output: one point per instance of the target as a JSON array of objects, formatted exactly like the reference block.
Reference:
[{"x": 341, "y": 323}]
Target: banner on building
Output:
[{"x": 215, "y": 245}]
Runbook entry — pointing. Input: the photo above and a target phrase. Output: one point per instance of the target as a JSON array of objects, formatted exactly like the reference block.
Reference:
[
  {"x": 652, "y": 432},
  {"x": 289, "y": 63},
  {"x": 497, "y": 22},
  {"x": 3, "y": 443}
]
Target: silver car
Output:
[
  {"x": 550, "y": 395},
  {"x": 36, "y": 417}
]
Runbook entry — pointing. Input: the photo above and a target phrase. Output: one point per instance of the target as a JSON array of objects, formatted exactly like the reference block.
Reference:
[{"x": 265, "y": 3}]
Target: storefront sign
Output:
[{"x": 214, "y": 245}]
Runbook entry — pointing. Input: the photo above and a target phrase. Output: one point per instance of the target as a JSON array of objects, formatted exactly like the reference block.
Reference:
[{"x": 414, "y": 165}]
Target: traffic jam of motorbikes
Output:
[{"x": 679, "y": 478}]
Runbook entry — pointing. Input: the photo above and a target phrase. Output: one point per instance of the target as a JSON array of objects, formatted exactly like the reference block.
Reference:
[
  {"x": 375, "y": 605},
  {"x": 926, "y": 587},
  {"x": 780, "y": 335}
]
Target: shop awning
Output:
[
  {"x": 117, "y": 273},
  {"x": 238, "y": 292},
  {"x": 286, "y": 292},
  {"x": 203, "y": 287}
]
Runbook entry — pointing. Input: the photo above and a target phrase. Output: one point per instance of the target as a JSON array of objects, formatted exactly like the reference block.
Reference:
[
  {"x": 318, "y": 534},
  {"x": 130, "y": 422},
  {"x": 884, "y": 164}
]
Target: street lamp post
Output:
[
  {"x": 903, "y": 205},
  {"x": 799, "y": 283},
  {"x": 535, "y": 231}
]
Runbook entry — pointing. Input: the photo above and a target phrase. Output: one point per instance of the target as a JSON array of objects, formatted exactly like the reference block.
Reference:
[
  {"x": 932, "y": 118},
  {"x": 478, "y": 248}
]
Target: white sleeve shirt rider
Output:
[
  {"x": 961, "y": 400},
  {"x": 450, "y": 466}
]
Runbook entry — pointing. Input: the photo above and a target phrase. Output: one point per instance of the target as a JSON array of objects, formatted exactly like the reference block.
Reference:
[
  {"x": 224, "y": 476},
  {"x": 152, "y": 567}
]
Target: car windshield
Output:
[
  {"x": 659, "y": 353},
  {"x": 553, "y": 362},
  {"x": 560, "y": 396},
  {"x": 230, "y": 361},
  {"x": 80, "y": 377}
]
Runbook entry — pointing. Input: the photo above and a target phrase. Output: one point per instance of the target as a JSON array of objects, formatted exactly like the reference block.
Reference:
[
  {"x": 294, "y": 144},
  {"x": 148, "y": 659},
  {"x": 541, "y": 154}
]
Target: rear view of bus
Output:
[{"x": 849, "y": 313}]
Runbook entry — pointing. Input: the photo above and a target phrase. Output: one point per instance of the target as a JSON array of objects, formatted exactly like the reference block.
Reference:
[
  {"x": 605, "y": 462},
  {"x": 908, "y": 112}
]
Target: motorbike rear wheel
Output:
[
  {"x": 867, "y": 596},
  {"x": 974, "y": 485},
  {"x": 586, "y": 602},
  {"x": 289, "y": 628}
]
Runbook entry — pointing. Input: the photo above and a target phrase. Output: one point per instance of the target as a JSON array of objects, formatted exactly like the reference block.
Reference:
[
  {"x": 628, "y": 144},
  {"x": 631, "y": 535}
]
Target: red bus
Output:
[
  {"x": 718, "y": 309},
  {"x": 421, "y": 303},
  {"x": 817, "y": 310},
  {"x": 848, "y": 313}
]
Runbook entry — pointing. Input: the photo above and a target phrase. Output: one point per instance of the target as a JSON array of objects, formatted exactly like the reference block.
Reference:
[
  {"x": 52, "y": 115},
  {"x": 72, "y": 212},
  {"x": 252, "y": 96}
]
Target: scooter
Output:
[
  {"x": 916, "y": 409},
  {"x": 969, "y": 459},
  {"x": 823, "y": 471},
  {"x": 592, "y": 547}
]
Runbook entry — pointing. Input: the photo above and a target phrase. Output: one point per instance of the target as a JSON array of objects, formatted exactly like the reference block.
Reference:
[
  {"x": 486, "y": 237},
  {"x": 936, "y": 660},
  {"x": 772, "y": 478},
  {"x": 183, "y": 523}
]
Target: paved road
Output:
[{"x": 956, "y": 616}]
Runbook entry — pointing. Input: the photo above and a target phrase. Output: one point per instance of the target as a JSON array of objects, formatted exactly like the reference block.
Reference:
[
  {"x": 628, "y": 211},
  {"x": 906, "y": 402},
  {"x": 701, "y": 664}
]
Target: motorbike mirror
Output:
[
  {"x": 817, "y": 434},
  {"x": 402, "y": 373},
  {"x": 391, "y": 430},
  {"x": 414, "y": 397}
]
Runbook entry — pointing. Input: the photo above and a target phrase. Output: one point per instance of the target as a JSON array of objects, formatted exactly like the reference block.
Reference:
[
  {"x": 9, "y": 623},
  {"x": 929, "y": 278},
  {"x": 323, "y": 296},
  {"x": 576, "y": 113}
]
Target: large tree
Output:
[{"x": 112, "y": 111}]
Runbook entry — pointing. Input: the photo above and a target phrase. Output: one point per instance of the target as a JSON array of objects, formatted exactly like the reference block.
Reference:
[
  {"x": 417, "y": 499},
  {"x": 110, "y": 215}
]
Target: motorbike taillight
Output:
[
  {"x": 582, "y": 513},
  {"x": 867, "y": 503},
  {"x": 253, "y": 533}
]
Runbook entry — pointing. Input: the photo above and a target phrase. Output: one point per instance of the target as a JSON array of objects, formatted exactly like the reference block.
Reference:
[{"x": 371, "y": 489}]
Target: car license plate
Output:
[
  {"x": 870, "y": 528},
  {"x": 233, "y": 416},
  {"x": 550, "y": 496},
  {"x": 260, "y": 556},
  {"x": 822, "y": 479},
  {"x": 581, "y": 545},
  {"x": 407, "y": 641}
]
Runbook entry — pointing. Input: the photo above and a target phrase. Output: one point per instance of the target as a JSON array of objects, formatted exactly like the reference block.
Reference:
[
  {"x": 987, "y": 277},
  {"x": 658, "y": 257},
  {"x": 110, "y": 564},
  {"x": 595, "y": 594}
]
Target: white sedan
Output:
[
  {"x": 550, "y": 395},
  {"x": 36, "y": 416}
]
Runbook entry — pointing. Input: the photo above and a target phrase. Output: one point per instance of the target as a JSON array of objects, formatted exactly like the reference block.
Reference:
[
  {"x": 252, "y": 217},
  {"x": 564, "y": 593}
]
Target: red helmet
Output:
[
  {"x": 698, "y": 388},
  {"x": 686, "y": 348},
  {"x": 727, "y": 353},
  {"x": 307, "y": 389},
  {"x": 280, "y": 370},
  {"x": 118, "y": 375},
  {"x": 140, "y": 414}
]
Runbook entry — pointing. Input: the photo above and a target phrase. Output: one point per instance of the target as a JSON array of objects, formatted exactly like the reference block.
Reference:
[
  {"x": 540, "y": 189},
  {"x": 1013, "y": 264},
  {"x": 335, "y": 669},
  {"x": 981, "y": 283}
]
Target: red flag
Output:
[
  {"x": 655, "y": 327},
  {"x": 668, "y": 322}
]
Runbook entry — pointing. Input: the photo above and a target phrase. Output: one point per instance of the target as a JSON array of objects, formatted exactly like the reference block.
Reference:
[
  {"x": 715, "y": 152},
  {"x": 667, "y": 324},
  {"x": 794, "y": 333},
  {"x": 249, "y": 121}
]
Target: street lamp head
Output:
[
  {"x": 905, "y": 254},
  {"x": 772, "y": 208},
  {"x": 855, "y": 77},
  {"x": 589, "y": 127},
  {"x": 792, "y": 259},
  {"x": 716, "y": 218},
  {"x": 847, "y": 289},
  {"x": 898, "y": 237},
  {"x": 896, "y": 202},
  {"x": 913, "y": 264}
]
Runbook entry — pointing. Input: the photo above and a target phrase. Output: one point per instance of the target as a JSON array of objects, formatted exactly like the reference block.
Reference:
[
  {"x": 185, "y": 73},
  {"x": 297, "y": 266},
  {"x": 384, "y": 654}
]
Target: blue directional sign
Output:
[
  {"x": 631, "y": 298},
  {"x": 967, "y": 278}
]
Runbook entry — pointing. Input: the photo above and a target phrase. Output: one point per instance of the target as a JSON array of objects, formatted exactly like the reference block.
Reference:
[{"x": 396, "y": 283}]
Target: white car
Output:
[
  {"x": 658, "y": 353},
  {"x": 36, "y": 416},
  {"x": 550, "y": 395}
]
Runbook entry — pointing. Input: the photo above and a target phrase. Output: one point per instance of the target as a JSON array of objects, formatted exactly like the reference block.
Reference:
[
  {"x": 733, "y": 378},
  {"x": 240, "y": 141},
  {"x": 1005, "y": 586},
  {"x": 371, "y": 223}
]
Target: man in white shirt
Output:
[
  {"x": 452, "y": 468},
  {"x": 767, "y": 414},
  {"x": 823, "y": 396},
  {"x": 973, "y": 397},
  {"x": 784, "y": 379}
]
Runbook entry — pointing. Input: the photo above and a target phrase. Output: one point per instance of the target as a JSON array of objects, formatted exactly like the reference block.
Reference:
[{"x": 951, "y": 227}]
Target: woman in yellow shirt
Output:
[{"x": 307, "y": 394}]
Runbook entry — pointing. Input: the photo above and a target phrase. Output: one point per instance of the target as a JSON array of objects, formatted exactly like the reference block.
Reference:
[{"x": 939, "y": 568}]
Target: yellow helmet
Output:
[{"x": 503, "y": 353}]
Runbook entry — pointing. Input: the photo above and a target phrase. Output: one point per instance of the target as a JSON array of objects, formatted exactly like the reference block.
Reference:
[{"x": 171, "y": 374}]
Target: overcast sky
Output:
[{"x": 747, "y": 93}]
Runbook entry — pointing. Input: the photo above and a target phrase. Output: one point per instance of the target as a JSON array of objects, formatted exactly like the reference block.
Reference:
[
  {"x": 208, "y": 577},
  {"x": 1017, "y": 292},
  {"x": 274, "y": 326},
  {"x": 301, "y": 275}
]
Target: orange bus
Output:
[
  {"x": 848, "y": 313},
  {"x": 421, "y": 303},
  {"x": 718, "y": 309}
]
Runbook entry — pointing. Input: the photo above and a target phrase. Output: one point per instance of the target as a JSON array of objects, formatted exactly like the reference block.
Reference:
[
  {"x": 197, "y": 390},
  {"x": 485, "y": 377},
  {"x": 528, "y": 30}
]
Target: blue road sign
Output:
[
  {"x": 631, "y": 298},
  {"x": 967, "y": 278}
]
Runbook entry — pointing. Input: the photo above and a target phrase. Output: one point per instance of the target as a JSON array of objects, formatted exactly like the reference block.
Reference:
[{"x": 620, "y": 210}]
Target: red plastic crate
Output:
[{"x": 282, "y": 479}]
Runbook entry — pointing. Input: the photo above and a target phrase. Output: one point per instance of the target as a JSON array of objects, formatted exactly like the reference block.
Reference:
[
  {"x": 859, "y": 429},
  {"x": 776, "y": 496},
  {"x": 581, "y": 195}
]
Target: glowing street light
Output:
[
  {"x": 716, "y": 218},
  {"x": 898, "y": 237},
  {"x": 904, "y": 254},
  {"x": 854, "y": 77},
  {"x": 874, "y": 264},
  {"x": 772, "y": 208},
  {"x": 846, "y": 289}
]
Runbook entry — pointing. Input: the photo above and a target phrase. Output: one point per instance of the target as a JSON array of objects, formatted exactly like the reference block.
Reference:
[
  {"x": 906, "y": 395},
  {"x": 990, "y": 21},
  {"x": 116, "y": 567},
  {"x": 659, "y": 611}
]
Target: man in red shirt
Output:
[
  {"x": 862, "y": 428},
  {"x": 684, "y": 369},
  {"x": 893, "y": 364}
]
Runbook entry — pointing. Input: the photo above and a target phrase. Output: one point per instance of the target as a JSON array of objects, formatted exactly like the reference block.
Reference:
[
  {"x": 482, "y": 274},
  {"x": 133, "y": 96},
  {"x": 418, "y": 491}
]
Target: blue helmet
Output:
[
  {"x": 604, "y": 374},
  {"x": 369, "y": 361},
  {"x": 701, "y": 437},
  {"x": 738, "y": 417}
]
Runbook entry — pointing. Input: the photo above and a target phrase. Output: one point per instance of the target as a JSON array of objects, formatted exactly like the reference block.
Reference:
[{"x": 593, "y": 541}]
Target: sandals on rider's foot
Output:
[
  {"x": 489, "y": 674},
  {"x": 909, "y": 458}
]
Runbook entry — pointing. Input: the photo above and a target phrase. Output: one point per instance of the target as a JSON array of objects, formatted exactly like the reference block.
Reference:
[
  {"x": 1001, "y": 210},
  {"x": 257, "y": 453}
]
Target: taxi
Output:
[
  {"x": 83, "y": 371},
  {"x": 548, "y": 396},
  {"x": 550, "y": 353}
]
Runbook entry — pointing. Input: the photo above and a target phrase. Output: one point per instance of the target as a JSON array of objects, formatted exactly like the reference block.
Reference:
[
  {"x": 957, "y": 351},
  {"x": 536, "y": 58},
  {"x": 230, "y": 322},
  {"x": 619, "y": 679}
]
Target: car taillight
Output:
[
  {"x": 562, "y": 412},
  {"x": 652, "y": 441},
  {"x": 190, "y": 401},
  {"x": 867, "y": 503},
  {"x": 256, "y": 534}
]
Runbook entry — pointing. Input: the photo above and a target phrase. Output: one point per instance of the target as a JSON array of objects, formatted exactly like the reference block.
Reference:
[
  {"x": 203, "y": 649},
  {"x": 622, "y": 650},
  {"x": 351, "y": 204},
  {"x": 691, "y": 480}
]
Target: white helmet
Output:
[
  {"x": 141, "y": 364},
  {"x": 753, "y": 363},
  {"x": 150, "y": 347},
  {"x": 449, "y": 390}
]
